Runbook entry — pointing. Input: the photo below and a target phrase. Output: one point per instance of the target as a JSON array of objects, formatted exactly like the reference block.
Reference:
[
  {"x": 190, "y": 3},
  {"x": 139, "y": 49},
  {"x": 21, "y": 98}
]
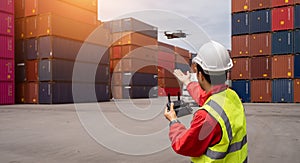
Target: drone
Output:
[{"x": 178, "y": 34}]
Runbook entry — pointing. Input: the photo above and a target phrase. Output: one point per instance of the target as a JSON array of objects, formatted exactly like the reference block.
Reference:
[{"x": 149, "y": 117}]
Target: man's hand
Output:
[
  {"x": 185, "y": 79},
  {"x": 170, "y": 115}
]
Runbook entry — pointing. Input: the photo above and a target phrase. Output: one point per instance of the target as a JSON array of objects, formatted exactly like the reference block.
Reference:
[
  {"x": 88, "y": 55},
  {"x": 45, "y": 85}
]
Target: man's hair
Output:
[{"x": 213, "y": 79}]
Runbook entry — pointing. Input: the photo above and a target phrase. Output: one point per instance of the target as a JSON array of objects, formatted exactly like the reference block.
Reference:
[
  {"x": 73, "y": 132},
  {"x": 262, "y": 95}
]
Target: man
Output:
[{"x": 218, "y": 129}]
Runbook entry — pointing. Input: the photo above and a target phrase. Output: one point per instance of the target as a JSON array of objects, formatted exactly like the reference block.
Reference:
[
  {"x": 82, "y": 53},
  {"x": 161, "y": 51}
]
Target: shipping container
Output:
[
  {"x": 86, "y": 92},
  {"x": 260, "y": 44},
  {"x": 134, "y": 65},
  {"x": 50, "y": 24},
  {"x": 242, "y": 88},
  {"x": 7, "y": 93},
  {"x": 90, "y": 5},
  {"x": 55, "y": 92},
  {"x": 182, "y": 52},
  {"x": 7, "y": 6},
  {"x": 296, "y": 1},
  {"x": 297, "y": 90},
  {"x": 132, "y": 92},
  {"x": 169, "y": 83},
  {"x": 283, "y": 18},
  {"x": 57, "y": 7},
  {"x": 240, "y": 23},
  {"x": 241, "y": 69},
  {"x": 260, "y": 21},
  {"x": 277, "y": 3},
  {"x": 19, "y": 6},
  {"x": 63, "y": 48},
  {"x": 166, "y": 56},
  {"x": 168, "y": 91},
  {"x": 7, "y": 49},
  {"x": 261, "y": 67},
  {"x": 182, "y": 60},
  {"x": 7, "y": 26},
  {"x": 240, "y": 5},
  {"x": 166, "y": 47},
  {"x": 32, "y": 93},
  {"x": 297, "y": 66},
  {"x": 260, "y": 4},
  {"x": 7, "y": 70},
  {"x": 165, "y": 73},
  {"x": 297, "y": 41},
  {"x": 20, "y": 50},
  {"x": 283, "y": 42},
  {"x": 134, "y": 79},
  {"x": 31, "y": 49},
  {"x": 183, "y": 67},
  {"x": 32, "y": 73},
  {"x": 20, "y": 29},
  {"x": 20, "y": 72},
  {"x": 166, "y": 64},
  {"x": 240, "y": 46},
  {"x": 283, "y": 90},
  {"x": 134, "y": 51},
  {"x": 283, "y": 66},
  {"x": 297, "y": 15},
  {"x": 261, "y": 90},
  {"x": 125, "y": 38},
  {"x": 20, "y": 93}
]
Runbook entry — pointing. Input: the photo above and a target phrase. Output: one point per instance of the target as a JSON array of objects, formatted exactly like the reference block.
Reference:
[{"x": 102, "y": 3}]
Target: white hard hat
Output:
[{"x": 213, "y": 58}]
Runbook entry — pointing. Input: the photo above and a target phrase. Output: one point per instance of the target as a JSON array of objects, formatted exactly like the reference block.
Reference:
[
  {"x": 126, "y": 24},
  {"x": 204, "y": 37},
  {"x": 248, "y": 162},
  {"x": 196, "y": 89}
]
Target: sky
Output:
[{"x": 211, "y": 17}]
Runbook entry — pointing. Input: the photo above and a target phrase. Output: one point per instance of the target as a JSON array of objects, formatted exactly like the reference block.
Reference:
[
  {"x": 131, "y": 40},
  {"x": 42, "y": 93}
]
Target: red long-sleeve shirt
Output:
[{"x": 204, "y": 131}]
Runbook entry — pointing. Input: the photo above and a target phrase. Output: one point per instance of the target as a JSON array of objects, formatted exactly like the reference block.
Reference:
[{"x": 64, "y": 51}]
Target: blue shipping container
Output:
[
  {"x": 282, "y": 90},
  {"x": 283, "y": 42},
  {"x": 240, "y": 23},
  {"x": 31, "y": 49},
  {"x": 297, "y": 16},
  {"x": 242, "y": 88},
  {"x": 297, "y": 41},
  {"x": 297, "y": 66},
  {"x": 260, "y": 21}
]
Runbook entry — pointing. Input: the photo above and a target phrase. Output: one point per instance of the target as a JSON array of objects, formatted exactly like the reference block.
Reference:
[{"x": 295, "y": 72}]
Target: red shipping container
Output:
[
  {"x": 7, "y": 24},
  {"x": 20, "y": 28},
  {"x": 240, "y": 69},
  {"x": 133, "y": 38},
  {"x": 164, "y": 73},
  {"x": 167, "y": 65},
  {"x": 260, "y": 4},
  {"x": 20, "y": 93},
  {"x": 32, "y": 70},
  {"x": 116, "y": 52},
  {"x": 7, "y": 93},
  {"x": 283, "y": 66},
  {"x": 182, "y": 52},
  {"x": 168, "y": 83},
  {"x": 261, "y": 91},
  {"x": 134, "y": 65},
  {"x": 297, "y": 1},
  {"x": 166, "y": 91},
  {"x": 261, "y": 67},
  {"x": 166, "y": 56},
  {"x": 19, "y": 8},
  {"x": 260, "y": 44},
  {"x": 32, "y": 93},
  {"x": 276, "y": 3},
  {"x": 240, "y": 5},
  {"x": 7, "y": 47},
  {"x": 240, "y": 46},
  {"x": 283, "y": 18},
  {"x": 7, "y": 6},
  {"x": 7, "y": 71},
  {"x": 297, "y": 90},
  {"x": 166, "y": 47}
]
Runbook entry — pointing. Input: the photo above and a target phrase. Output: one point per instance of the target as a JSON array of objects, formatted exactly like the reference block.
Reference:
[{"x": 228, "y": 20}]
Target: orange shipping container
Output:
[
  {"x": 260, "y": 4},
  {"x": 166, "y": 47},
  {"x": 240, "y": 69},
  {"x": 297, "y": 90},
  {"x": 240, "y": 5},
  {"x": 125, "y": 38},
  {"x": 283, "y": 66},
  {"x": 133, "y": 51},
  {"x": 260, "y": 44},
  {"x": 261, "y": 91},
  {"x": 32, "y": 70},
  {"x": 37, "y": 7},
  {"x": 182, "y": 52},
  {"x": 240, "y": 46},
  {"x": 261, "y": 67},
  {"x": 90, "y": 5},
  {"x": 168, "y": 83},
  {"x": 32, "y": 93},
  {"x": 19, "y": 8},
  {"x": 20, "y": 28},
  {"x": 134, "y": 65},
  {"x": 20, "y": 93}
]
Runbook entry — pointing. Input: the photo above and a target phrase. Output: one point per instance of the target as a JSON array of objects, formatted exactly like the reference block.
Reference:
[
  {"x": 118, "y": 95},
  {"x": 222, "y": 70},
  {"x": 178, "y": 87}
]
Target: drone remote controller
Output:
[{"x": 181, "y": 108}]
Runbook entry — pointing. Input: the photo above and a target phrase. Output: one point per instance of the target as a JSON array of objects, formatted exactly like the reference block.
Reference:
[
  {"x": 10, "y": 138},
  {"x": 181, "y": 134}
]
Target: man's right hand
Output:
[{"x": 185, "y": 79}]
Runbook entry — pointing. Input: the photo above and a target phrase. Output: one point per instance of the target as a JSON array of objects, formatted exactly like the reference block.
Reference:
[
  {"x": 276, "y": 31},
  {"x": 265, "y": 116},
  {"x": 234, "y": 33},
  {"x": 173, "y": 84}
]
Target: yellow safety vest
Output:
[{"x": 227, "y": 109}]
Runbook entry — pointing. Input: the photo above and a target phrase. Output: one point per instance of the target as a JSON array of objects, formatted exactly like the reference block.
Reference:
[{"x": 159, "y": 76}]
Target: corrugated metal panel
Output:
[
  {"x": 20, "y": 50},
  {"x": 7, "y": 26},
  {"x": 20, "y": 93},
  {"x": 297, "y": 66},
  {"x": 182, "y": 52},
  {"x": 261, "y": 67},
  {"x": 168, "y": 83},
  {"x": 283, "y": 18},
  {"x": 260, "y": 44},
  {"x": 7, "y": 70},
  {"x": 32, "y": 74},
  {"x": 167, "y": 65},
  {"x": 260, "y": 21},
  {"x": 242, "y": 88},
  {"x": 134, "y": 79},
  {"x": 240, "y": 5},
  {"x": 283, "y": 42},
  {"x": 240, "y": 23},
  {"x": 297, "y": 90},
  {"x": 260, "y": 4},
  {"x": 297, "y": 41},
  {"x": 7, "y": 49},
  {"x": 166, "y": 47},
  {"x": 20, "y": 28},
  {"x": 261, "y": 91},
  {"x": 130, "y": 92},
  {"x": 31, "y": 49},
  {"x": 7, "y": 93},
  {"x": 283, "y": 66},
  {"x": 276, "y": 3},
  {"x": 32, "y": 93},
  {"x": 282, "y": 90},
  {"x": 55, "y": 93},
  {"x": 166, "y": 91},
  {"x": 134, "y": 51},
  {"x": 166, "y": 56},
  {"x": 19, "y": 6},
  {"x": 240, "y": 46},
  {"x": 164, "y": 73},
  {"x": 125, "y": 38},
  {"x": 135, "y": 65},
  {"x": 7, "y": 6},
  {"x": 241, "y": 69}
]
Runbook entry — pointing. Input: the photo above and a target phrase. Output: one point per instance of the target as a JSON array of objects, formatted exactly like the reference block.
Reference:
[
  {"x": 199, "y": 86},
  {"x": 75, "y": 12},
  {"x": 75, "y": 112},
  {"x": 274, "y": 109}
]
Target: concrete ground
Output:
[{"x": 65, "y": 133}]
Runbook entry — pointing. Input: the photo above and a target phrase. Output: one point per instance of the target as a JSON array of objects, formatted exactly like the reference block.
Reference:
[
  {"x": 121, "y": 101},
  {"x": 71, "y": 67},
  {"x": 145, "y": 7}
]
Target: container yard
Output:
[{"x": 71, "y": 83}]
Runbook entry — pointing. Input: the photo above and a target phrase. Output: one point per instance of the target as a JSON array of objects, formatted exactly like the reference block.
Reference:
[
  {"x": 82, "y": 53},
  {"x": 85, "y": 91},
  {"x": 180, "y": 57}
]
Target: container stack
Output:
[
  {"x": 7, "y": 53},
  {"x": 264, "y": 50},
  {"x": 133, "y": 58},
  {"x": 49, "y": 37}
]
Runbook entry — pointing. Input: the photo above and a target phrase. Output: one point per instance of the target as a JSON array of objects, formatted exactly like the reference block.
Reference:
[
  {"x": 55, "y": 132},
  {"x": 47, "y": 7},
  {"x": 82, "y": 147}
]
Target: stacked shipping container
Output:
[
  {"x": 49, "y": 37},
  {"x": 7, "y": 52},
  {"x": 265, "y": 44}
]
